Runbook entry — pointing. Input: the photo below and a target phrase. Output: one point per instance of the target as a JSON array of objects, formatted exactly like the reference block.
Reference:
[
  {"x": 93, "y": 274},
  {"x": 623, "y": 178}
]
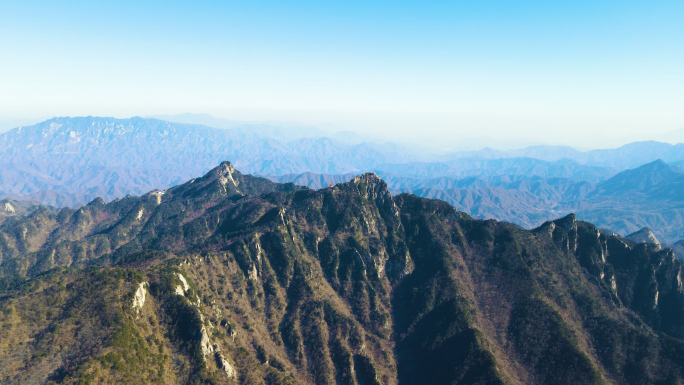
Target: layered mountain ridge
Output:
[
  {"x": 647, "y": 196},
  {"x": 230, "y": 278},
  {"x": 70, "y": 161}
]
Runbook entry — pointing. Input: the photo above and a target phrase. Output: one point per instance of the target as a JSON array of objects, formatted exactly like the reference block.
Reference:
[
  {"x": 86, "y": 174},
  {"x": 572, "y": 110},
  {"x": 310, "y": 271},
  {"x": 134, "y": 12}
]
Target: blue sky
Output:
[{"x": 584, "y": 73}]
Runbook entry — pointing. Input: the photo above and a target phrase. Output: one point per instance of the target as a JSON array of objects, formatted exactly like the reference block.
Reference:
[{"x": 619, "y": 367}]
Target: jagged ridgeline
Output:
[{"x": 231, "y": 278}]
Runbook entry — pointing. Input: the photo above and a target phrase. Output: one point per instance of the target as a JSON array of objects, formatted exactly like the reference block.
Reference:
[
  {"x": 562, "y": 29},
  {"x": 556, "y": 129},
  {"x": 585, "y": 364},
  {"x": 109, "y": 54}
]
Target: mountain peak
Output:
[
  {"x": 369, "y": 184},
  {"x": 336, "y": 271},
  {"x": 370, "y": 179},
  {"x": 227, "y": 174},
  {"x": 569, "y": 222},
  {"x": 657, "y": 164},
  {"x": 661, "y": 166},
  {"x": 645, "y": 235},
  {"x": 644, "y": 178},
  {"x": 367, "y": 177},
  {"x": 226, "y": 180}
]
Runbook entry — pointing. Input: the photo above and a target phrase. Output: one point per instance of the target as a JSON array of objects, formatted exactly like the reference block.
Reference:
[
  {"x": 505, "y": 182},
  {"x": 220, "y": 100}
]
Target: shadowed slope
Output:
[{"x": 250, "y": 281}]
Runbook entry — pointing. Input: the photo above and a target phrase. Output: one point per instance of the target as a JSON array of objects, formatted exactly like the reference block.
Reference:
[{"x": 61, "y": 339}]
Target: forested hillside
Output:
[{"x": 230, "y": 278}]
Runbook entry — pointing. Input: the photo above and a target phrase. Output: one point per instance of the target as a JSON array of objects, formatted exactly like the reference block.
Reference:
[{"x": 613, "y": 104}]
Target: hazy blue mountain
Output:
[
  {"x": 283, "y": 132},
  {"x": 465, "y": 167},
  {"x": 649, "y": 196},
  {"x": 678, "y": 164},
  {"x": 90, "y": 156},
  {"x": 628, "y": 156},
  {"x": 678, "y": 249},
  {"x": 71, "y": 161},
  {"x": 313, "y": 180},
  {"x": 656, "y": 177},
  {"x": 8, "y": 124}
]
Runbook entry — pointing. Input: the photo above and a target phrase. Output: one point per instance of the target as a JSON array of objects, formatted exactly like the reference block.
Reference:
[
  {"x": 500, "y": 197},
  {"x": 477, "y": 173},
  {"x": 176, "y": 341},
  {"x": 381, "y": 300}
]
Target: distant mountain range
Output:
[
  {"x": 110, "y": 158},
  {"x": 71, "y": 161},
  {"x": 649, "y": 196},
  {"x": 628, "y": 156}
]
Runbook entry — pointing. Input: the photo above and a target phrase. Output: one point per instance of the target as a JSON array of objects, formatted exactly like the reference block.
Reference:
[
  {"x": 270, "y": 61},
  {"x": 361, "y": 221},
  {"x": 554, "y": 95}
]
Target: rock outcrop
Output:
[
  {"x": 139, "y": 298},
  {"x": 350, "y": 285},
  {"x": 645, "y": 235}
]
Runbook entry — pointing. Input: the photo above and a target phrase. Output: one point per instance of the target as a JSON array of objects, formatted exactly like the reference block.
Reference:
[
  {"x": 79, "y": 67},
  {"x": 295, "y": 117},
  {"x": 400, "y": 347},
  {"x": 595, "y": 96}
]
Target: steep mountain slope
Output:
[
  {"x": 231, "y": 278},
  {"x": 648, "y": 196}
]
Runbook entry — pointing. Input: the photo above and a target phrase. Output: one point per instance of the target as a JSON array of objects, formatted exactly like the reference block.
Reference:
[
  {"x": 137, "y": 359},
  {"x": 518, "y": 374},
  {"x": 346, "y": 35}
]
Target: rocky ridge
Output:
[
  {"x": 644, "y": 235},
  {"x": 230, "y": 278}
]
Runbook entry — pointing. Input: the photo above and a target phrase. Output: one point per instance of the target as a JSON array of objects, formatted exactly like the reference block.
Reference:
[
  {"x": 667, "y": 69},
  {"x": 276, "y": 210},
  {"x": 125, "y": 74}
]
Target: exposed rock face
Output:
[
  {"x": 226, "y": 366},
  {"x": 159, "y": 195},
  {"x": 644, "y": 236},
  {"x": 9, "y": 208},
  {"x": 346, "y": 285},
  {"x": 205, "y": 342},
  {"x": 183, "y": 287},
  {"x": 226, "y": 171},
  {"x": 139, "y": 299}
]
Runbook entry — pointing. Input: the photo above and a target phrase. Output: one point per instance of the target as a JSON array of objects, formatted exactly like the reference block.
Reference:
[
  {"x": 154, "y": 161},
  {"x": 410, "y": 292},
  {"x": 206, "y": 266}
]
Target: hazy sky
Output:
[{"x": 584, "y": 73}]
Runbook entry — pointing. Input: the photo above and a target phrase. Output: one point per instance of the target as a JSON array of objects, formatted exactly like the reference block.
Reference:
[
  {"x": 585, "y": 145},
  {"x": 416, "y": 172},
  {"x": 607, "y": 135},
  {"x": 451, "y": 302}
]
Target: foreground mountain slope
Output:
[{"x": 231, "y": 278}]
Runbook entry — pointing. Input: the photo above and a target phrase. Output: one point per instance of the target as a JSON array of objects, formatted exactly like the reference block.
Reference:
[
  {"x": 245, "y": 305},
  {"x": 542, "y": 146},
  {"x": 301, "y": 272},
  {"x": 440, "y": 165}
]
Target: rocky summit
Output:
[{"x": 230, "y": 278}]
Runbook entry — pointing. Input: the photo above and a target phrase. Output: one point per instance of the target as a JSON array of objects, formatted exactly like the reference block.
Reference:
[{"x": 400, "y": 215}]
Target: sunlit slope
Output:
[{"x": 249, "y": 281}]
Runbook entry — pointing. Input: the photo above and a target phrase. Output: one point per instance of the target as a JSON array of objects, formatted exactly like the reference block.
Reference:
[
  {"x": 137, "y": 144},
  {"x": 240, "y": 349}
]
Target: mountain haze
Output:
[
  {"x": 630, "y": 155},
  {"x": 648, "y": 196},
  {"x": 71, "y": 161},
  {"x": 110, "y": 158}
]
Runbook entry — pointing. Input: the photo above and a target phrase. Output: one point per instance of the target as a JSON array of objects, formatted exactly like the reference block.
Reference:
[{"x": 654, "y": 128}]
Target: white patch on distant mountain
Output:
[
  {"x": 159, "y": 196},
  {"x": 9, "y": 208},
  {"x": 227, "y": 175}
]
